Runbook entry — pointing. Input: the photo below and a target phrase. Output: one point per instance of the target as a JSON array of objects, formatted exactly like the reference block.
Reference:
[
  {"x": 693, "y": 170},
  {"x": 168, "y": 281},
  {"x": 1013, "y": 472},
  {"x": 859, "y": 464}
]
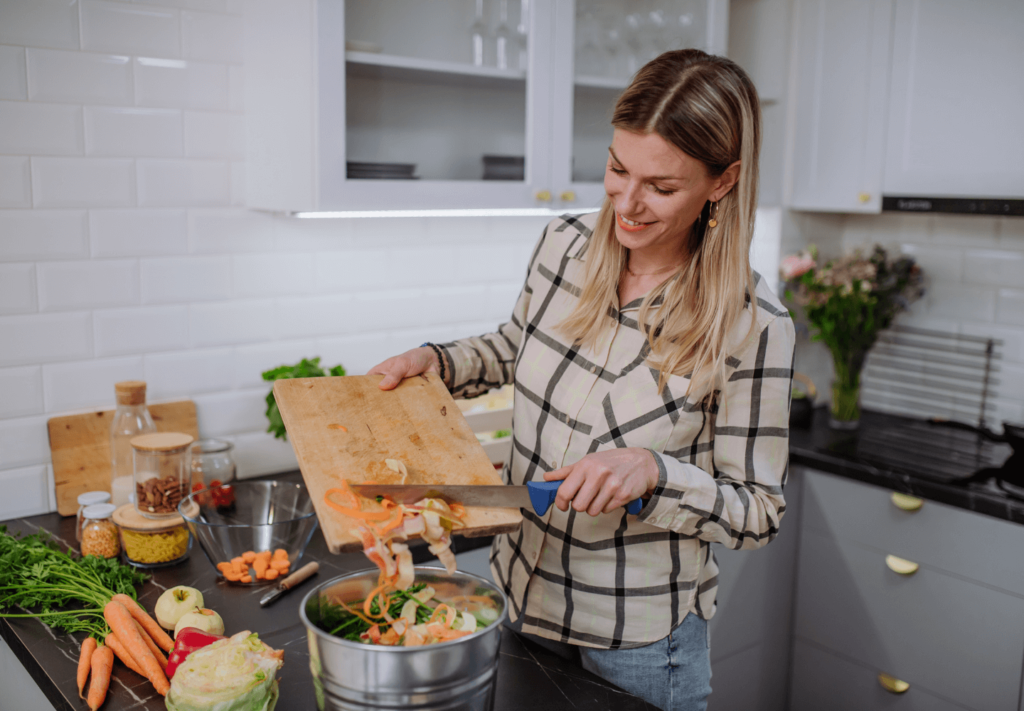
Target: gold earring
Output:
[{"x": 713, "y": 215}]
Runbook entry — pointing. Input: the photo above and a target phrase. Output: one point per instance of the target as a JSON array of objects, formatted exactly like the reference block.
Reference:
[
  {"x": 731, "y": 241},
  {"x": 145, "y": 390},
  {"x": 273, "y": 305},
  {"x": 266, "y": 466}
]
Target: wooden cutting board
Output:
[
  {"x": 345, "y": 427},
  {"x": 80, "y": 447}
]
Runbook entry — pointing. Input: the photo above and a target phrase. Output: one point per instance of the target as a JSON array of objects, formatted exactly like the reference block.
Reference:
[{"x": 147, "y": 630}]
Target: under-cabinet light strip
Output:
[{"x": 482, "y": 212}]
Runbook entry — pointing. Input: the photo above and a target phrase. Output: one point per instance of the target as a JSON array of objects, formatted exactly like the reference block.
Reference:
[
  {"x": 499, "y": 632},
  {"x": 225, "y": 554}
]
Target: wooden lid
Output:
[
  {"x": 161, "y": 441},
  {"x": 131, "y": 392},
  {"x": 127, "y": 517}
]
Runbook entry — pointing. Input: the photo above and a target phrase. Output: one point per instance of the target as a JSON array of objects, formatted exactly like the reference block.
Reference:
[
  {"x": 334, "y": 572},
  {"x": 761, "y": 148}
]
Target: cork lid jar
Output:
[{"x": 162, "y": 472}]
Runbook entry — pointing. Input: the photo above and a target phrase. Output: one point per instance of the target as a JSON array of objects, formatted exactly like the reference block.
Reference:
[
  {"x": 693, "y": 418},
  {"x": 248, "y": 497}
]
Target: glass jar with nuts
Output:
[
  {"x": 162, "y": 471},
  {"x": 99, "y": 534}
]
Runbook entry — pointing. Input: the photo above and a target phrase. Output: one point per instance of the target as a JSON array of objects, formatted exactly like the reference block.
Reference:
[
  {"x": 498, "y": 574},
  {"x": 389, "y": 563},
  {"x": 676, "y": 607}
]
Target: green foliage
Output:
[
  {"x": 305, "y": 368},
  {"x": 339, "y": 622},
  {"x": 67, "y": 591}
]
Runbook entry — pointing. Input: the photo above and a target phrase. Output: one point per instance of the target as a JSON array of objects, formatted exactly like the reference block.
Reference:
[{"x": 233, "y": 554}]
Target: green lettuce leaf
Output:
[{"x": 234, "y": 674}]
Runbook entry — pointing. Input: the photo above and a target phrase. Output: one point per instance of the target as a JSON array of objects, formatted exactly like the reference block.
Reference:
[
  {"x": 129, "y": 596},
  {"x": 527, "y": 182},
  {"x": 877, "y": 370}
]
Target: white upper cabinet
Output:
[
  {"x": 840, "y": 70},
  {"x": 392, "y": 104},
  {"x": 956, "y": 107}
]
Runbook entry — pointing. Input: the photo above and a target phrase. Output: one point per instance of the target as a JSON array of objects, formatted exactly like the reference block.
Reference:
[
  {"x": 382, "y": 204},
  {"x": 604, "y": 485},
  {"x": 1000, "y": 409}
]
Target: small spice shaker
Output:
[
  {"x": 163, "y": 472},
  {"x": 88, "y": 499},
  {"x": 99, "y": 534}
]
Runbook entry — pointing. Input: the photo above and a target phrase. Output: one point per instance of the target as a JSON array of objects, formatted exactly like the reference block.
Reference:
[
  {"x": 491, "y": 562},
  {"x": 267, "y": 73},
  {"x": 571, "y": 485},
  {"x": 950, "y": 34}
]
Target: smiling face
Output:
[{"x": 658, "y": 193}]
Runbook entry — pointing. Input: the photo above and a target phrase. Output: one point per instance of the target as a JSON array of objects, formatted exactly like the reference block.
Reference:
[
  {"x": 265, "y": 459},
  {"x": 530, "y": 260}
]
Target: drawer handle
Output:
[
  {"x": 901, "y": 565},
  {"x": 892, "y": 684},
  {"x": 906, "y": 501}
]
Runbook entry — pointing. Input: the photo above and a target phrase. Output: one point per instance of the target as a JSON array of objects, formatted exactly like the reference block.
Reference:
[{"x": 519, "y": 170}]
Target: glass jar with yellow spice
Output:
[
  {"x": 99, "y": 534},
  {"x": 149, "y": 543}
]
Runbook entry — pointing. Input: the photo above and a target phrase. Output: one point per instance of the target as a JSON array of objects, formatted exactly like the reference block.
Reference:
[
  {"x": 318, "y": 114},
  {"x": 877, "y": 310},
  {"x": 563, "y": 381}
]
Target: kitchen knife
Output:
[
  {"x": 290, "y": 582},
  {"x": 538, "y": 495}
]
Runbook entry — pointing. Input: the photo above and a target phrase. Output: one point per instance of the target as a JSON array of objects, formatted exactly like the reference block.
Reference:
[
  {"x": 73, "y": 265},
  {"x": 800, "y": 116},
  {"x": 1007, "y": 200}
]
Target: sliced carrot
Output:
[
  {"x": 246, "y": 578},
  {"x": 233, "y": 576},
  {"x": 128, "y": 660},
  {"x": 280, "y": 553},
  {"x": 278, "y": 564},
  {"x": 223, "y": 567},
  {"x": 260, "y": 566},
  {"x": 102, "y": 666},
  {"x": 248, "y": 557},
  {"x": 355, "y": 513},
  {"x": 148, "y": 623},
  {"x": 85, "y": 663},
  {"x": 271, "y": 574}
]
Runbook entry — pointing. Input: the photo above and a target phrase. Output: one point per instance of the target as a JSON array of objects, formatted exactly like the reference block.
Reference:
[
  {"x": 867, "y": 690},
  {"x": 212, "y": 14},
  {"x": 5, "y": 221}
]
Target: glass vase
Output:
[{"x": 845, "y": 412}]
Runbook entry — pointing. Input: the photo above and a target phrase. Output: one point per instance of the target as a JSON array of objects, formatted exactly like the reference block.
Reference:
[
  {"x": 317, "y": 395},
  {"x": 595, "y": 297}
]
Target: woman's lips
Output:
[{"x": 628, "y": 227}]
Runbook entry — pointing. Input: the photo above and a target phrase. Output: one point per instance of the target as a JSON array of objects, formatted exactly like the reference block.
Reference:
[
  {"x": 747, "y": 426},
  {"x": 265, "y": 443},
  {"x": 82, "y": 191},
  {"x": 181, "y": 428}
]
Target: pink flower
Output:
[{"x": 795, "y": 265}]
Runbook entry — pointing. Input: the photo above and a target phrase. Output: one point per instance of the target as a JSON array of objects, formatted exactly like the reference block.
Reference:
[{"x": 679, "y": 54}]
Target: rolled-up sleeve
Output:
[{"x": 740, "y": 503}]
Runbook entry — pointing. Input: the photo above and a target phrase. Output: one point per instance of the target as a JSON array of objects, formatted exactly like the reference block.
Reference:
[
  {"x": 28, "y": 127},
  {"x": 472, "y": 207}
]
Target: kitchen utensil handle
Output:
[
  {"x": 542, "y": 495},
  {"x": 299, "y": 575}
]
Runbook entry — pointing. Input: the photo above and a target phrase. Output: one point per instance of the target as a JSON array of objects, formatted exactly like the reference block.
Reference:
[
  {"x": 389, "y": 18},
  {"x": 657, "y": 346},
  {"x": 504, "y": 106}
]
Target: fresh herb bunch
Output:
[
  {"x": 336, "y": 620},
  {"x": 67, "y": 591},
  {"x": 305, "y": 368}
]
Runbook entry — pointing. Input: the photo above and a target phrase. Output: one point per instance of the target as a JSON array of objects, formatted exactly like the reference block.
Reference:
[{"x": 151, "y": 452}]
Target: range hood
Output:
[{"x": 1007, "y": 207}]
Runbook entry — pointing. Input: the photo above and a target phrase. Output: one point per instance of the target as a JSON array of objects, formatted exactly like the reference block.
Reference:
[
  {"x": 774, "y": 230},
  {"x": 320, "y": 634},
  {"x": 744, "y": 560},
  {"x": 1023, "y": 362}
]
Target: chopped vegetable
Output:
[{"x": 232, "y": 674}]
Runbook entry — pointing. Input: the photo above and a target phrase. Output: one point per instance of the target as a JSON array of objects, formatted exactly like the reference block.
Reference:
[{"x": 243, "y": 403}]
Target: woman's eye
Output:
[
  {"x": 617, "y": 171},
  {"x": 659, "y": 191}
]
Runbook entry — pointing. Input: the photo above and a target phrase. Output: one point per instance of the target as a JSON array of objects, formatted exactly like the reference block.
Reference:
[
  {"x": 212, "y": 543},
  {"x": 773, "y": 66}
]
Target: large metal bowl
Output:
[{"x": 457, "y": 675}]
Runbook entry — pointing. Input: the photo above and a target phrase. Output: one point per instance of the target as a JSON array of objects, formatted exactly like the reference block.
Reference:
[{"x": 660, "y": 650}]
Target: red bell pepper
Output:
[{"x": 188, "y": 640}]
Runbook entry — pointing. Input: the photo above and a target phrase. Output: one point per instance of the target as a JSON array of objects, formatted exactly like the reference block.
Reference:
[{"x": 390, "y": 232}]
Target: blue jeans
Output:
[{"x": 673, "y": 673}]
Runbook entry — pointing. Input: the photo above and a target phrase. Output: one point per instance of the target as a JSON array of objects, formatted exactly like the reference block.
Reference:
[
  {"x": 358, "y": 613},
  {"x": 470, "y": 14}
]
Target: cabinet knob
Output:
[
  {"x": 864, "y": 197},
  {"x": 902, "y": 566},
  {"x": 568, "y": 196},
  {"x": 892, "y": 684},
  {"x": 543, "y": 195},
  {"x": 906, "y": 501}
]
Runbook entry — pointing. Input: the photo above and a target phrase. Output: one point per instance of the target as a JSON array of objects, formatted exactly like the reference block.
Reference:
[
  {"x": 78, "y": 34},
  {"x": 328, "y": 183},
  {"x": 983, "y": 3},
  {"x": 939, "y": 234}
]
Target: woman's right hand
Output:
[{"x": 406, "y": 365}]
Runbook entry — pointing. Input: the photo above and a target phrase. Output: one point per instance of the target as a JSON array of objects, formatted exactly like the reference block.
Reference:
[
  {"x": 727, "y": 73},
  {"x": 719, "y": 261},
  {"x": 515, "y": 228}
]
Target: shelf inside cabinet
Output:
[
  {"x": 390, "y": 66},
  {"x": 597, "y": 82}
]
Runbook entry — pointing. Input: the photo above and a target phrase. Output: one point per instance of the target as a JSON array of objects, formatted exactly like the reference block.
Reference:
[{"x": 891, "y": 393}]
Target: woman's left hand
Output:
[{"x": 603, "y": 481}]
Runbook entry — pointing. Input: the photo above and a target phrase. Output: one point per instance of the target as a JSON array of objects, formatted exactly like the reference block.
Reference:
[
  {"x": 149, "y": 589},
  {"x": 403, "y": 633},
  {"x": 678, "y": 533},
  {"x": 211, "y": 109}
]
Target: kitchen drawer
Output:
[
  {"x": 960, "y": 640},
  {"x": 751, "y": 680},
  {"x": 822, "y": 680},
  {"x": 961, "y": 542}
]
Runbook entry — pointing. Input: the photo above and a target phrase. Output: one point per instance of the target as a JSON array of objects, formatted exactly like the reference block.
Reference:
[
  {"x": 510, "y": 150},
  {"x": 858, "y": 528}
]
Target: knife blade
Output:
[
  {"x": 538, "y": 495},
  {"x": 290, "y": 582}
]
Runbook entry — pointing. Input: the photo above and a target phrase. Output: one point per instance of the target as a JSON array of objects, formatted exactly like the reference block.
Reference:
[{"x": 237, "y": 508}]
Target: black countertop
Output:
[{"x": 528, "y": 676}]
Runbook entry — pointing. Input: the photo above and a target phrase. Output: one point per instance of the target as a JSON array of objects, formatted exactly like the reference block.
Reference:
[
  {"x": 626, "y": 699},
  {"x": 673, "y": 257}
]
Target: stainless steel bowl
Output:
[{"x": 457, "y": 675}]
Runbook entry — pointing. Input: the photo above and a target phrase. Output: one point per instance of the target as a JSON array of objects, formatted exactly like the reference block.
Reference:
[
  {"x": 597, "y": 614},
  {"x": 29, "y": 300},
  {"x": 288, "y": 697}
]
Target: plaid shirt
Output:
[{"x": 617, "y": 580}]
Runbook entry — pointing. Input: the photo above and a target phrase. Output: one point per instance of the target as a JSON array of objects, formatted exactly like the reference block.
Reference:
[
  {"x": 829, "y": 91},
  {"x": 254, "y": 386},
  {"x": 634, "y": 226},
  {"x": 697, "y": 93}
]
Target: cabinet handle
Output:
[
  {"x": 568, "y": 196},
  {"x": 906, "y": 501},
  {"x": 543, "y": 195},
  {"x": 901, "y": 566},
  {"x": 864, "y": 197},
  {"x": 892, "y": 684}
]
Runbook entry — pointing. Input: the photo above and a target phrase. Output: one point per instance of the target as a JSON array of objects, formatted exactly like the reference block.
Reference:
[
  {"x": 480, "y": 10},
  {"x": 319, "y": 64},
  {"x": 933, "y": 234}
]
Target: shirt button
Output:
[
  {"x": 554, "y": 464},
  {"x": 593, "y": 369}
]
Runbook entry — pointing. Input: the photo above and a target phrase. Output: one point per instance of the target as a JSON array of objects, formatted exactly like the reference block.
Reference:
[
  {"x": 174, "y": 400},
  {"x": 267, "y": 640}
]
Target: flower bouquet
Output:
[{"x": 847, "y": 302}]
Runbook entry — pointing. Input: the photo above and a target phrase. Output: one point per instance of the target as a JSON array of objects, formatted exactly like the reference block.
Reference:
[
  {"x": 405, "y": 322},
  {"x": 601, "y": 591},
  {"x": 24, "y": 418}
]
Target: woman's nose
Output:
[{"x": 629, "y": 202}]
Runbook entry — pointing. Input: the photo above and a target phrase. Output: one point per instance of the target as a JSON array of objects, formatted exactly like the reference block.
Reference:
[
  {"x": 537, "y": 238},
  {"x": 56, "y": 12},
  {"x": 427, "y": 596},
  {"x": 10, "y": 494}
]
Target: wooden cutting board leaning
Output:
[
  {"x": 80, "y": 447},
  {"x": 346, "y": 427}
]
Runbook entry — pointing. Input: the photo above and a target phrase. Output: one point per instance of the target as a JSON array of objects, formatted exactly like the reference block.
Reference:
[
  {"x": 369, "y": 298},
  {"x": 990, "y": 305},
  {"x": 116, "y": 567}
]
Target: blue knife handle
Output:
[{"x": 542, "y": 495}]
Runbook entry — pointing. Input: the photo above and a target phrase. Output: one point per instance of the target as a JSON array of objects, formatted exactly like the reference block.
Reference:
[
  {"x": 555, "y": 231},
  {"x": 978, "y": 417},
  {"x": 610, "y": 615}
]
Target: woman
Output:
[{"x": 648, "y": 360}]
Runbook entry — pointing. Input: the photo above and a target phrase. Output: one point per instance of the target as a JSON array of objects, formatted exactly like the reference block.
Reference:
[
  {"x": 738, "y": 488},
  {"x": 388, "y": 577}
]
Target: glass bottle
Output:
[
  {"x": 131, "y": 419},
  {"x": 478, "y": 30},
  {"x": 503, "y": 36},
  {"x": 99, "y": 534},
  {"x": 87, "y": 499},
  {"x": 522, "y": 35}
]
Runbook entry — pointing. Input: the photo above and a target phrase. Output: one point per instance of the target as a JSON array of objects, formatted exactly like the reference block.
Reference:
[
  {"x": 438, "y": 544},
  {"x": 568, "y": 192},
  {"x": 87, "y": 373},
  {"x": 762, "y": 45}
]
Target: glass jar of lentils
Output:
[
  {"x": 163, "y": 472},
  {"x": 99, "y": 534}
]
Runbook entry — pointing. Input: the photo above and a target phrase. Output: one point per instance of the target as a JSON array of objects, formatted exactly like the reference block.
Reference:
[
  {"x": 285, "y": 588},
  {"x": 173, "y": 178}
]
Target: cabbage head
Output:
[{"x": 233, "y": 674}]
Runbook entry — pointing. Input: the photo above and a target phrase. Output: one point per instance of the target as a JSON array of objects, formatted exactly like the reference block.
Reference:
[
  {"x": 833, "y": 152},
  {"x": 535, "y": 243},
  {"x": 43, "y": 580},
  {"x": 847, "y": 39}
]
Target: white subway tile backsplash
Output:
[
  {"x": 1010, "y": 307},
  {"x": 185, "y": 279},
  {"x": 67, "y": 286},
  {"x": 960, "y": 303},
  {"x": 449, "y": 304},
  {"x": 118, "y": 131},
  {"x": 186, "y": 373},
  {"x": 83, "y": 182},
  {"x": 166, "y": 183},
  {"x": 352, "y": 270},
  {"x": 44, "y": 338},
  {"x": 210, "y": 5},
  {"x": 15, "y": 182},
  {"x": 501, "y": 299},
  {"x": 252, "y": 361},
  {"x": 938, "y": 264},
  {"x": 231, "y": 413},
  {"x": 238, "y": 183},
  {"x": 360, "y": 352},
  {"x": 183, "y": 84},
  {"x": 138, "y": 233},
  {"x": 486, "y": 264},
  {"x": 39, "y": 23},
  {"x": 1012, "y": 348},
  {"x": 13, "y": 80},
  {"x": 316, "y": 316},
  {"x": 995, "y": 267},
  {"x": 232, "y": 322},
  {"x": 43, "y": 234},
  {"x": 387, "y": 310},
  {"x": 22, "y": 390},
  {"x": 140, "y": 330},
  {"x": 293, "y": 234},
  {"x": 229, "y": 231},
  {"x": 26, "y": 489},
  {"x": 271, "y": 274},
  {"x": 131, "y": 29},
  {"x": 17, "y": 288},
  {"x": 79, "y": 77},
  {"x": 24, "y": 441},
  {"x": 1011, "y": 232},
  {"x": 260, "y": 453},
  {"x": 40, "y": 129},
  {"x": 420, "y": 266},
  {"x": 236, "y": 93},
  {"x": 1012, "y": 381},
  {"x": 89, "y": 383},
  {"x": 212, "y": 135},
  {"x": 970, "y": 231},
  {"x": 213, "y": 36}
]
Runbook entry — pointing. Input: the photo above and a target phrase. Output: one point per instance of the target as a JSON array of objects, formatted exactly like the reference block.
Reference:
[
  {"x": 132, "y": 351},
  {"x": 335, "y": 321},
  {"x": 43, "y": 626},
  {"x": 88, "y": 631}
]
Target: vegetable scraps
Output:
[{"x": 305, "y": 368}]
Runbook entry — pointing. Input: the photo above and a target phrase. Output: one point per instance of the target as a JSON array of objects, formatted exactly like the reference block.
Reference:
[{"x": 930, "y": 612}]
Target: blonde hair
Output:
[{"x": 708, "y": 108}]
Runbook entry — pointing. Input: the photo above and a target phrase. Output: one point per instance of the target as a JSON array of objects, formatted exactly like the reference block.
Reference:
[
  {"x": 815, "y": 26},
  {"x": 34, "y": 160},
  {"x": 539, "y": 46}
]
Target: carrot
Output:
[
  {"x": 271, "y": 574},
  {"x": 84, "y": 661},
  {"x": 148, "y": 623},
  {"x": 248, "y": 557},
  {"x": 246, "y": 579},
  {"x": 120, "y": 620},
  {"x": 223, "y": 566},
  {"x": 278, "y": 564},
  {"x": 260, "y": 566},
  {"x": 102, "y": 666},
  {"x": 160, "y": 658},
  {"x": 114, "y": 643},
  {"x": 280, "y": 553}
]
